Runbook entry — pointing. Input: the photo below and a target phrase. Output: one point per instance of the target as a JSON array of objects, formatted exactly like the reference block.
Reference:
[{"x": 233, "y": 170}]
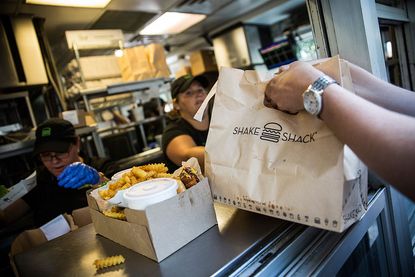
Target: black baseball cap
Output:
[
  {"x": 54, "y": 135},
  {"x": 183, "y": 83}
]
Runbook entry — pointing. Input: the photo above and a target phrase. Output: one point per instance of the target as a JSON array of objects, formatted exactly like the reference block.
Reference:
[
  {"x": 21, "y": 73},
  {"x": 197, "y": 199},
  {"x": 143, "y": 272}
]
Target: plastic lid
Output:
[
  {"x": 149, "y": 192},
  {"x": 152, "y": 188}
]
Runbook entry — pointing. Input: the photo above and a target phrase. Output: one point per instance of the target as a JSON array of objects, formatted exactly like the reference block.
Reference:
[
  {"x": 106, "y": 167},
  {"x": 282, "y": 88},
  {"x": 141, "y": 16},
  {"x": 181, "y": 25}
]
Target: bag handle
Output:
[
  {"x": 200, "y": 112},
  {"x": 322, "y": 64}
]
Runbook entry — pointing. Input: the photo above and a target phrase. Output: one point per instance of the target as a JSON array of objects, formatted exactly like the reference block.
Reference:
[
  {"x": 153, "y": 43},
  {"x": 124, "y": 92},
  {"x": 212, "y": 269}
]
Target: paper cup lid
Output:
[{"x": 151, "y": 188}]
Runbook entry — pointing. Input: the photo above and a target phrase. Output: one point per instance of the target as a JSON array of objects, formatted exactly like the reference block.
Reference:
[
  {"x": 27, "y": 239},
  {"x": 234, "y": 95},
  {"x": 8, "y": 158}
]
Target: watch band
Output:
[
  {"x": 317, "y": 89},
  {"x": 323, "y": 82}
]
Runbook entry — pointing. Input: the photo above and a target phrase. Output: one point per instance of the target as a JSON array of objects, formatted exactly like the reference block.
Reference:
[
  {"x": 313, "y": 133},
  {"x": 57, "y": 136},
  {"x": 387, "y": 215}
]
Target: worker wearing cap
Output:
[
  {"x": 185, "y": 137},
  {"x": 59, "y": 177}
]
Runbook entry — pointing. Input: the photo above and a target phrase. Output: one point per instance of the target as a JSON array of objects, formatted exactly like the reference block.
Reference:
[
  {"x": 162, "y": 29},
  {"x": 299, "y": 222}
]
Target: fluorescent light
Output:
[
  {"x": 71, "y": 3},
  {"x": 172, "y": 23}
]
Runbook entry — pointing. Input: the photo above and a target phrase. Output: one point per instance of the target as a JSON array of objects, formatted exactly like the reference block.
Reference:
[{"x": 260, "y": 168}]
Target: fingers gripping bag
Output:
[{"x": 286, "y": 166}]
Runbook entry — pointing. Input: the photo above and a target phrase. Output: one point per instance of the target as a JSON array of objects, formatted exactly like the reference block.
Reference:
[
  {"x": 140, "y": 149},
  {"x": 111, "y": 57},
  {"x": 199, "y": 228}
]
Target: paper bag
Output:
[
  {"x": 125, "y": 67},
  {"x": 134, "y": 64},
  {"x": 157, "y": 59},
  {"x": 286, "y": 166}
]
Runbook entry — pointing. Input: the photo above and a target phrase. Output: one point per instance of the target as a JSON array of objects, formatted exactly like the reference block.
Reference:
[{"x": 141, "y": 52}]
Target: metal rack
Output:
[
  {"x": 25, "y": 145},
  {"x": 140, "y": 89},
  {"x": 92, "y": 40},
  {"x": 137, "y": 91},
  {"x": 25, "y": 95}
]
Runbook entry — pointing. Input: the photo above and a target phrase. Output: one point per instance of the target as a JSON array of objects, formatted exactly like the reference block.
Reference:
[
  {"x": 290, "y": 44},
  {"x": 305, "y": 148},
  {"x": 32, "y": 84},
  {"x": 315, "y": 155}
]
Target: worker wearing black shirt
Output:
[
  {"x": 60, "y": 177},
  {"x": 185, "y": 137}
]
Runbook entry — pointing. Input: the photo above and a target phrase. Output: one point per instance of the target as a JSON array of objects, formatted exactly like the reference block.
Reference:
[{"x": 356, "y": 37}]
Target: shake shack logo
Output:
[{"x": 273, "y": 132}]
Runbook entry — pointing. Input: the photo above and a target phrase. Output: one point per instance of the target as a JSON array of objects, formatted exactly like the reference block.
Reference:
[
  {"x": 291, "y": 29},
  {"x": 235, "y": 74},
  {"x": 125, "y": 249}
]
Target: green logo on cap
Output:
[{"x": 46, "y": 132}]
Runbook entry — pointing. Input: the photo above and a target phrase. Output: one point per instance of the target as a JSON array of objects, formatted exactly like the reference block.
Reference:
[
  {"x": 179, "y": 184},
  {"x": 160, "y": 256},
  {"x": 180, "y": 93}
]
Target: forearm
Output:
[
  {"x": 199, "y": 153},
  {"x": 182, "y": 148},
  {"x": 186, "y": 153},
  {"x": 382, "y": 93},
  {"x": 384, "y": 140}
]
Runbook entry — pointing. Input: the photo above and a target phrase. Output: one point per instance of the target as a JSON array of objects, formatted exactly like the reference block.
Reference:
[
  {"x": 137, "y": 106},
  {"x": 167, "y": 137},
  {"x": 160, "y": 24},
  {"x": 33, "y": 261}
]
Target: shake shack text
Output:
[{"x": 273, "y": 132}]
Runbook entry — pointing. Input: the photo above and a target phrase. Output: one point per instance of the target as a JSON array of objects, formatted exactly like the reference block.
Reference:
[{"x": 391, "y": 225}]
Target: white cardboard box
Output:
[{"x": 162, "y": 228}]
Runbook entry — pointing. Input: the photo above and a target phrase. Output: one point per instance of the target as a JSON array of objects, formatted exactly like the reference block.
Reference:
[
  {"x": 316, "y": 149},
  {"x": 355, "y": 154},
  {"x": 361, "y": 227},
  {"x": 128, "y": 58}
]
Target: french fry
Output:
[{"x": 109, "y": 261}]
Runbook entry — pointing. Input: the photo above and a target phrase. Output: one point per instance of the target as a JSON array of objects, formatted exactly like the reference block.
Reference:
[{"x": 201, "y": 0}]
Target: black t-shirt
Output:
[
  {"x": 177, "y": 128},
  {"x": 48, "y": 200}
]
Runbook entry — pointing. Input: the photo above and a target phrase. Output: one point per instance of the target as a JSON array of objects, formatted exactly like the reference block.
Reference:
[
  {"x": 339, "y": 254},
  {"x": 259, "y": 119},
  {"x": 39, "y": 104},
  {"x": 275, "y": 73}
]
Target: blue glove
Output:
[{"x": 78, "y": 174}]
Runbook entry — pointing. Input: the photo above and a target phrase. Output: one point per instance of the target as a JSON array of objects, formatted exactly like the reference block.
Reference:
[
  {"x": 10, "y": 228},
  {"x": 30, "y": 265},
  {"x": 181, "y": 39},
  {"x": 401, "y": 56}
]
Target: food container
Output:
[
  {"x": 117, "y": 199},
  {"x": 119, "y": 174},
  {"x": 188, "y": 215},
  {"x": 146, "y": 193}
]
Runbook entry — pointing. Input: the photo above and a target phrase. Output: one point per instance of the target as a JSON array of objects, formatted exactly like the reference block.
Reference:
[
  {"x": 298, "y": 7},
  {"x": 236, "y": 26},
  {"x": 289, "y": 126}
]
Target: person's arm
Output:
[
  {"x": 382, "y": 93},
  {"x": 383, "y": 139},
  {"x": 182, "y": 148}
]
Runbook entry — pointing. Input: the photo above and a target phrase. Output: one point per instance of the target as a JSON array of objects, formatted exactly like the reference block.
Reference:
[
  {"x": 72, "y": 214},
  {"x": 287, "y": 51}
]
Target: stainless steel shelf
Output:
[
  {"x": 137, "y": 85},
  {"x": 16, "y": 148},
  {"x": 26, "y": 146},
  {"x": 125, "y": 87},
  {"x": 139, "y": 90}
]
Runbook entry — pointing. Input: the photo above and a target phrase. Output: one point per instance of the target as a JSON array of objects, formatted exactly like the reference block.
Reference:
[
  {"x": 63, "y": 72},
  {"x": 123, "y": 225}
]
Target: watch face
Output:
[{"x": 312, "y": 103}]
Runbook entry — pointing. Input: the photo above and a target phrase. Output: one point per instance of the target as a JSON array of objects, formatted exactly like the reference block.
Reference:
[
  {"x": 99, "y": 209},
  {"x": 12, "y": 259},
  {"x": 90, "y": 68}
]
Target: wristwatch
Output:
[{"x": 313, "y": 96}]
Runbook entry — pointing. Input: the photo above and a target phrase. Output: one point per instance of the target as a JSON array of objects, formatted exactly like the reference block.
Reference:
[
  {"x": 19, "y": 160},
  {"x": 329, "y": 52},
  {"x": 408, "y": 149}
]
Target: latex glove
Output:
[{"x": 78, "y": 174}]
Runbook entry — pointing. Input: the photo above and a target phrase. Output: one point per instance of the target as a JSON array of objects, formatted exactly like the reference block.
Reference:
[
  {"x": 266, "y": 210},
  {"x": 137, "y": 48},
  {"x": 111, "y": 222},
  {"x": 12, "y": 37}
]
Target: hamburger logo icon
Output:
[{"x": 271, "y": 132}]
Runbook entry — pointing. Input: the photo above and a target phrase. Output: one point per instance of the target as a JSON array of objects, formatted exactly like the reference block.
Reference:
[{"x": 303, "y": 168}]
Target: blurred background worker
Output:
[
  {"x": 61, "y": 175},
  {"x": 185, "y": 137}
]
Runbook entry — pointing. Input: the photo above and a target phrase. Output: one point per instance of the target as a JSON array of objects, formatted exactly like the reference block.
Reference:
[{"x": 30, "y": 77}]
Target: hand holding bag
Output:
[{"x": 286, "y": 166}]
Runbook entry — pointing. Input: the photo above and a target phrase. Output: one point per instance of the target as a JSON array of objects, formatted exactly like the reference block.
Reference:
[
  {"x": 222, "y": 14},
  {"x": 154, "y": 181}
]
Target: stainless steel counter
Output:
[
  {"x": 73, "y": 254},
  {"x": 242, "y": 244}
]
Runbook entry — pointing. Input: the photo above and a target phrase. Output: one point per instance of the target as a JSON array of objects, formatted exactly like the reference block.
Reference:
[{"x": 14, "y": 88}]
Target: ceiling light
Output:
[
  {"x": 172, "y": 23},
  {"x": 72, "y": 3}
]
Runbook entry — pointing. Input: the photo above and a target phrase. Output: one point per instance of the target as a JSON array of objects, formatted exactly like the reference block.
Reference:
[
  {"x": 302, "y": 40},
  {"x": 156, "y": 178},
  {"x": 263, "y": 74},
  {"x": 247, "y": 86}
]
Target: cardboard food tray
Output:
[{"x": 162, "y": 228}]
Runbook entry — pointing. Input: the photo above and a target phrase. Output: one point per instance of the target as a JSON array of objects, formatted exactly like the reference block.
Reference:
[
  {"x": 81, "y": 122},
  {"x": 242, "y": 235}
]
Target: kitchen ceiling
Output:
[{"x": 132, "y": 15}]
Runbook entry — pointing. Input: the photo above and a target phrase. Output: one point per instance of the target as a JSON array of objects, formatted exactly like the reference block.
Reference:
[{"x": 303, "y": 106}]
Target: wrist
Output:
[
  {"x": 313, "y": 95},
  {"x": 311, "y": 77},
  {"x": 329, "y": 94}
]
